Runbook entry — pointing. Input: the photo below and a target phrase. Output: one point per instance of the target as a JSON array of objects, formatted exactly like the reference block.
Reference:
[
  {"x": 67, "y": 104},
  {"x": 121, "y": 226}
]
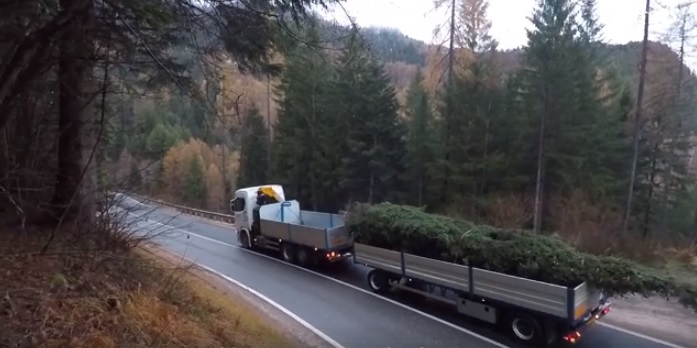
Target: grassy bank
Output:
[{"x": 82, "y": 293}]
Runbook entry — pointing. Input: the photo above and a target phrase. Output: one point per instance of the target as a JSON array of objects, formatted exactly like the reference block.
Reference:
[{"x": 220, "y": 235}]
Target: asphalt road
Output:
[{"x": 351, "y": 317}]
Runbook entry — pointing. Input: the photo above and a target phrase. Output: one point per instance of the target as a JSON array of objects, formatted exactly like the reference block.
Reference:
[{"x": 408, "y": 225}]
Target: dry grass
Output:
[
  {"x": 116, "y": 299},
  {"x": 589, "y": 227},
  {"x": 505, "y": 210}
]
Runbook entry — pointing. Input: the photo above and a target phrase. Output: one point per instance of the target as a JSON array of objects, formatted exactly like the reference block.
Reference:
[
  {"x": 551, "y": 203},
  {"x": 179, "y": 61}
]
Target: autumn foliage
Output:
[{"x": 182, "y": 163}]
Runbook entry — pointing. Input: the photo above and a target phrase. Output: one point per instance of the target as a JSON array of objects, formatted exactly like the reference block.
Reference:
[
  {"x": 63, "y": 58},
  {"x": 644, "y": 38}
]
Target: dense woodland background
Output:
[{"x": 189, "y": 103}]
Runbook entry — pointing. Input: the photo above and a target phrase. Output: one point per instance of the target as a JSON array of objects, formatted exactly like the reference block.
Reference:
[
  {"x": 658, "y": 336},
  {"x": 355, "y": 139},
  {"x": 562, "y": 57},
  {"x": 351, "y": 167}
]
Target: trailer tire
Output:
[
  {"x": 378, "y": 281},
  {"x": 526, "y": 328},
  {"x": 288, "y": 252}
]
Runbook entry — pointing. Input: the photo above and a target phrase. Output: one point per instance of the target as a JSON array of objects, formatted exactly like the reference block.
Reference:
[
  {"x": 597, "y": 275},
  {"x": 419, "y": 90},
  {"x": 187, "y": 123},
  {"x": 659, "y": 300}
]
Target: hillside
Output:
[{"x": 403, "y": 56}]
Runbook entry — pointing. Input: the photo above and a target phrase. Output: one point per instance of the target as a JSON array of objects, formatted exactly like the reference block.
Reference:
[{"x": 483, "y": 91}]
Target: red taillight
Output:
[
  {"x": 572, "y": 337},
  {"x": 606, "y": 310}
]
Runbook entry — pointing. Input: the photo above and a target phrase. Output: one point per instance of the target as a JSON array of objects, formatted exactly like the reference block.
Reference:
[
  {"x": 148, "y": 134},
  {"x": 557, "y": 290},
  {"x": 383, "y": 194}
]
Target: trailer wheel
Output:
[
  {"x": 526, "y": 328},
  {"x": 378, "y": 281},
  {"x": 288, "y": 252}
]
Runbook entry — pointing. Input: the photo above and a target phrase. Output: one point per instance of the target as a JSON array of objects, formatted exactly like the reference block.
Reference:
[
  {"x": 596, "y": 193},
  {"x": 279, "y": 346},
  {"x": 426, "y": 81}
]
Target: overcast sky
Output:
[{"x": 622, "y": 19}]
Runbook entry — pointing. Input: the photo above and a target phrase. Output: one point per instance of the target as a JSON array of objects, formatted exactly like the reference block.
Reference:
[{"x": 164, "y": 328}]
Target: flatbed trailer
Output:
[
  {"x": 302, "y": 236},
  {"x": 533, "y": 312}
]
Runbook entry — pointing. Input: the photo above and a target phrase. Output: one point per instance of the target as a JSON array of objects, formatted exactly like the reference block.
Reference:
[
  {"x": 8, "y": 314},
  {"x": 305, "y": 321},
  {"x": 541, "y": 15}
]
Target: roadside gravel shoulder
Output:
[{"x": 655, "y": 317}]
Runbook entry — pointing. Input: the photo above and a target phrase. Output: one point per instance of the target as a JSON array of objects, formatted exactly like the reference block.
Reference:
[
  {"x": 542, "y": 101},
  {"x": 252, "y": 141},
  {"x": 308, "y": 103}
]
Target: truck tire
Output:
[
  {"x": 302, "y": 256},
  {"x": 288, "y": 252},
  {"x": 244, "y": 239},
  {"x": 526, "y": 329},
  {"x": 378, "y": 281}
]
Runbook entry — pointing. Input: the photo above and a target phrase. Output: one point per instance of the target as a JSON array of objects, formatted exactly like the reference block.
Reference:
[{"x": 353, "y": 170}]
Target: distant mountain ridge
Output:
[{"x": 394, "y": 47}]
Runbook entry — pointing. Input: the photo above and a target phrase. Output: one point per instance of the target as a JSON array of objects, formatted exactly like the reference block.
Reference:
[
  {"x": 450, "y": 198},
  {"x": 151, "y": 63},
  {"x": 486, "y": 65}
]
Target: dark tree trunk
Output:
[{"x": 72, "y": 196}]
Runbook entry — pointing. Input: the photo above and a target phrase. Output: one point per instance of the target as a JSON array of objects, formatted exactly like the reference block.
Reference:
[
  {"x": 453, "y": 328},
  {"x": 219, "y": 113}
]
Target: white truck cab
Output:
[{"x": 244, "y": 203}]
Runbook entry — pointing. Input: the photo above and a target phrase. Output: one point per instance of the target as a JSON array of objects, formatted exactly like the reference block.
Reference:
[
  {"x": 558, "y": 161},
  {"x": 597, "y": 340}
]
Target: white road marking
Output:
[
  {"x": 648, "y": 338},
  {"x": 486, "y": 339},
  {"x": 134, "y": 200},
  {"x": 261, "y": 296}
]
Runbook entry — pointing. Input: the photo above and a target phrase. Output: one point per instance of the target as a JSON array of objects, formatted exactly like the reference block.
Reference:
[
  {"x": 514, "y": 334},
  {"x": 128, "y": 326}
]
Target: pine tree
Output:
[
  {"x": 375, "y": 136},
  {"x": 479, "y": 100},
  {"x": 452, "y": 162},
  {"x": 304, "y": 94},
  {"x": 549, "y": 95},
  {"x": 596, "y": 130},
  {"x": 420, "y": 142},
  {"x": 254, "y": 148}
]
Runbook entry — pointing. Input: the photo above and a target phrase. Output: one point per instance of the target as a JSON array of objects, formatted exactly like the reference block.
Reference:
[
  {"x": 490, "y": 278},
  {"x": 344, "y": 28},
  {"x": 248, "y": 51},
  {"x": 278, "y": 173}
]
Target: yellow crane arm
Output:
[{"x": 269, "y": 192}]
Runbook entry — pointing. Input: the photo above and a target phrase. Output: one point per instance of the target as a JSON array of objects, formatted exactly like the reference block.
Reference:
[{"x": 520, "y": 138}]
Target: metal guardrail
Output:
[{"x": 227, "y": 218}]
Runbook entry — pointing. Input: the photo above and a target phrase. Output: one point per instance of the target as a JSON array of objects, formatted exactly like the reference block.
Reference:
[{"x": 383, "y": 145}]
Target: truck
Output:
[
  {"x": 532, "y": 312},
  {"x": 264, "y": 220}
]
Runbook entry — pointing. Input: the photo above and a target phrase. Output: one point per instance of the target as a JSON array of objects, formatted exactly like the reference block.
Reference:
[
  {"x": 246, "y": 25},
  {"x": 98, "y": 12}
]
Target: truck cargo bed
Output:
[
  {"x": 287, "y": 222},
  {"x": 571, "y": 304}
]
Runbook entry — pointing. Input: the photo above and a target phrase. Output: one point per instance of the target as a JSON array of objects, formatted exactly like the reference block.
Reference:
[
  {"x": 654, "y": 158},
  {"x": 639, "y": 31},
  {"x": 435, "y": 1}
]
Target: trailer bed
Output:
[
  {"x": 571, "y": 304},
  {"x": 285, "y": 221}
]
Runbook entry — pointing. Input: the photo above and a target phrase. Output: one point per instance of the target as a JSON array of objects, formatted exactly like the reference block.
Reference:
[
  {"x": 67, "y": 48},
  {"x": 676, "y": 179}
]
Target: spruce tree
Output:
[
  {"x": 303, "y": 94},
  {"x": 550, "y": 100},
  {"x": 375, "y": 135},
  {"x": 254, "y": 149},
  {"x": 421, "y": 138},
  {"x": 596, "y": 139}
]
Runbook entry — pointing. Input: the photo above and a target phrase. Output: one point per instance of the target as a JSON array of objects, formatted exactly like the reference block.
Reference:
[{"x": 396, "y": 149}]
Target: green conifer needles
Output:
[{"x": 519, "y": 253}]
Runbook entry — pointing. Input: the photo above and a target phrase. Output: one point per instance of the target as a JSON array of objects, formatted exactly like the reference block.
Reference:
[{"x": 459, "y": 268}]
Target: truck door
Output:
[{"x": 239, "y": 210}]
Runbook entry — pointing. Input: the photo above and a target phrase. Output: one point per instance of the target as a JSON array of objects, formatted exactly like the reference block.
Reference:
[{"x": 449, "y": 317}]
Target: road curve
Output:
[{"x": 351, "y": 317}]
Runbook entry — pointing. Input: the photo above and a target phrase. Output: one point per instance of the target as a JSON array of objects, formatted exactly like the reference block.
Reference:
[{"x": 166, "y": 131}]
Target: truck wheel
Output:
[
  {"x": 288, "y": 252},
  {"x": 526, "y": 329},
  {"x": 244, "y": 239},
  {"x": 302, "y": 256},
  {"x": 552, "y": 334},
  {"x": 378, "y": 281}
]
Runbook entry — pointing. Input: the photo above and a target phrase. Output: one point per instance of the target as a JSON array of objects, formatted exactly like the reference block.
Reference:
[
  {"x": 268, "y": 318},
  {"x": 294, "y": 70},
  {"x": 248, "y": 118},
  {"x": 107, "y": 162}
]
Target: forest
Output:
[
  {"x": 539, "y": 137},
  {"x": 187, "y": 101}
]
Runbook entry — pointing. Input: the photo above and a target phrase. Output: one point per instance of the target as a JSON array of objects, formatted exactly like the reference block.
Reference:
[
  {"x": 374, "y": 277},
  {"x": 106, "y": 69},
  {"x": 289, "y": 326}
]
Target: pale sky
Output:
[{"x": 622, "y": 19}]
